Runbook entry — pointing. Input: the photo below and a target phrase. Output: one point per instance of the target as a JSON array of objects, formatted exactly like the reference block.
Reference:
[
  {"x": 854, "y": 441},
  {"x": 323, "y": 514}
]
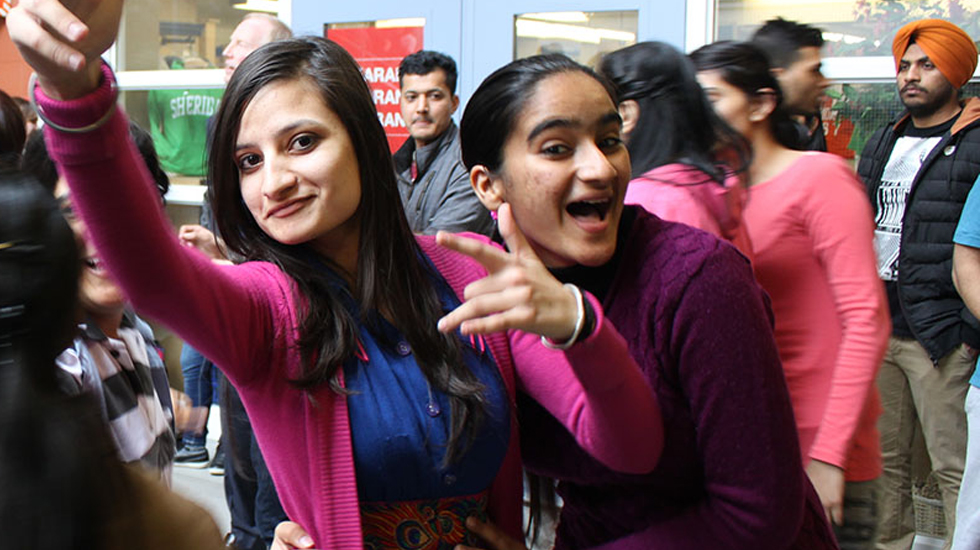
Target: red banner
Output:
[{"x": 378, "y": 52}]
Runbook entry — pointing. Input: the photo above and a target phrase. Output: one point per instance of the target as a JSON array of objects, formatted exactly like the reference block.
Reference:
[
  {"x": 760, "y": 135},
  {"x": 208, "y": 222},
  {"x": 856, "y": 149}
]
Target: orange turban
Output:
[{"x": 948, "y": 47}]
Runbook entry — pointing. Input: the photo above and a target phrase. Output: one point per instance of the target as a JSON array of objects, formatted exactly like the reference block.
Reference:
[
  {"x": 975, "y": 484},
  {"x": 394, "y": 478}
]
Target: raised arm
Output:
[{"x": 214, "y": 308}]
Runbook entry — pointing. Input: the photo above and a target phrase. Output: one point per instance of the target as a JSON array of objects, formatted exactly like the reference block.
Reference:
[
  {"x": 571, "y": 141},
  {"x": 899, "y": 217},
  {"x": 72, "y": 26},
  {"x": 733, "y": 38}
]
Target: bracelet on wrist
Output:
[
  {"x": 102, "y": 120},
  {"x": 579, "y": 322}
]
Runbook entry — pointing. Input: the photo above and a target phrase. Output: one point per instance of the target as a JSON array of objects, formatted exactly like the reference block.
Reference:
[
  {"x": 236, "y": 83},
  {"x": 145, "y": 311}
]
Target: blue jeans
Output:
[{"x": 200, "y": 384}]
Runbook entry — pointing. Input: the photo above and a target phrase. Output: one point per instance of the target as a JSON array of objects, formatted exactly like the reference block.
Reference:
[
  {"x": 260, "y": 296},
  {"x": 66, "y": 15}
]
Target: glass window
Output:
[
  {"x": 852, "y": 112},
  {"x": 583, "y": 36},
  {"x": 379, "y": 47},
  {"x": 177, "y": 119},
  {"x": 189, "y": 34},
  {"x": 850, "y": 27}
]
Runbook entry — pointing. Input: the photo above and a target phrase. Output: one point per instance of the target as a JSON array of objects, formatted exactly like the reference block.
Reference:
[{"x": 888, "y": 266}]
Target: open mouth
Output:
[
  {"x": 592, "y": 210},
  {"x": 95, "y": 264}
]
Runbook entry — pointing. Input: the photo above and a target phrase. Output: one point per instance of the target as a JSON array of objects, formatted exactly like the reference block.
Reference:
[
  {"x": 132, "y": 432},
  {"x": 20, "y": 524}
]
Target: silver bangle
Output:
[
  {"x": 579, "y": 322},
  {"x": 31, "y": 90}
]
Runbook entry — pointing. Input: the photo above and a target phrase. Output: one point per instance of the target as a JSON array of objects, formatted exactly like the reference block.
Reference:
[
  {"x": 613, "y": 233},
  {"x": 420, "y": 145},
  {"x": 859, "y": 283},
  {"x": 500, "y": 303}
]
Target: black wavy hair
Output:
[
  {"x": 781, "y": 40},
  {"x": 745, "y": 66},
  {"x": 424, "y": 62},
  {"x": 677, "y": 123}
]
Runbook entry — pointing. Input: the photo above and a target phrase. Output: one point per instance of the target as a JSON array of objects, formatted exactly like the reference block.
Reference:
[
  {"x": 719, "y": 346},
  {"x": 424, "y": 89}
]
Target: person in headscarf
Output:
[{"x": 919, "y": 170}]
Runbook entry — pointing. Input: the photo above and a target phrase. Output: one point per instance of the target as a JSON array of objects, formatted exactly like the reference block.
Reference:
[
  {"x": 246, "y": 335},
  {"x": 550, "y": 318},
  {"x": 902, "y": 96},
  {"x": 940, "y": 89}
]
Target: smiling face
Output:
[
  {"x": 98, "y": 293},
  {"x": 427, "y": 105},
  {"x": 298, "y": 170},
  {"x": 565, "y": 171}
]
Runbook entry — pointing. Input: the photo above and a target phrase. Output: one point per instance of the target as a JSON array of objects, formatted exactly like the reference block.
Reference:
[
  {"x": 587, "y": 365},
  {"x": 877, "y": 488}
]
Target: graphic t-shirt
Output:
[
  {"x": 908, "y": 154},
  {"x": 179, "y": 126}
]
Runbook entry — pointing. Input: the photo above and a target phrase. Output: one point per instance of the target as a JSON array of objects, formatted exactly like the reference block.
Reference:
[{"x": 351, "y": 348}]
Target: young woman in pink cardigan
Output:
[
  {"x": 811, "y": 229},
  {"x": 370, "y": 417}
]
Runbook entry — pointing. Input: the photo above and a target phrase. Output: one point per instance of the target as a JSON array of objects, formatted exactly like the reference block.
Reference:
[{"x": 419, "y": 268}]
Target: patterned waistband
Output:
[{"x": 433, "y": 524}]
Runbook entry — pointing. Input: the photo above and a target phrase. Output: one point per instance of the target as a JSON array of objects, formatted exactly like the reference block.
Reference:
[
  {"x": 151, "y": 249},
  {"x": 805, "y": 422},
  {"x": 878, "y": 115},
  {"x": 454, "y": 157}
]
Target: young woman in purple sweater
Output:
[
  {"x": 373, "y": 408},
  {"x": 541, "y": 137}
]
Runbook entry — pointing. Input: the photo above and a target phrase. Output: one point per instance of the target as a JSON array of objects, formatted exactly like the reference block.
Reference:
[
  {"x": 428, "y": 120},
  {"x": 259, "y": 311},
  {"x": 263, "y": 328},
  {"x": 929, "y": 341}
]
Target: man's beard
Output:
[{"x": 932, "y": 104}]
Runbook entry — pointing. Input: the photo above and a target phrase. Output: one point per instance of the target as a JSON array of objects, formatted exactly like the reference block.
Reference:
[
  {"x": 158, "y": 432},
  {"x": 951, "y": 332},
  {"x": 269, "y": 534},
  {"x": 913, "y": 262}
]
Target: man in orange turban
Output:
[{"x": 919, "y": 170}]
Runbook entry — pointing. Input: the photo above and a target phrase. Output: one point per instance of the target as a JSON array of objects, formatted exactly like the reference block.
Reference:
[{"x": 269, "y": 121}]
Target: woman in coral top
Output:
[
  {"x": 811, "y": 230},
  {"x": 687, "y": 162}
]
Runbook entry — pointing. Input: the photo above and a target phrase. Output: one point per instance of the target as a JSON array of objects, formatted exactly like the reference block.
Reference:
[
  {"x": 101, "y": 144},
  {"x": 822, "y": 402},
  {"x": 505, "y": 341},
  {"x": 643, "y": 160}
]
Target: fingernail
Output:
[
  {"x": 441, "y": 324},
  {"x": 75, "y": 62},
  {"x": 305, "y": 540},
  {"x": 75, "y": 31}
]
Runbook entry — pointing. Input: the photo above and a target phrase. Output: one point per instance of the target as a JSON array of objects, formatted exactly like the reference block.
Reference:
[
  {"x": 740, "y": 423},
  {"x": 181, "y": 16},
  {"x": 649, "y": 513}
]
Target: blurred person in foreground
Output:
[{"x": 63, "y": 487}]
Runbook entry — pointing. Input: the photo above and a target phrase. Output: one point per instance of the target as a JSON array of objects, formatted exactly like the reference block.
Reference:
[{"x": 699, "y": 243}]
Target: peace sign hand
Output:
[
  {"x": 62, "y": 41},
  {"x": 519, "y": 292}
]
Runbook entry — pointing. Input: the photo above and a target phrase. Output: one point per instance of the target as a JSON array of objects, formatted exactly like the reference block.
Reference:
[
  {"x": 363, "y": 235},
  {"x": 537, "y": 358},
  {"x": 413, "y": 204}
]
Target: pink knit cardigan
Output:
[{"x": 244, "y": 318}]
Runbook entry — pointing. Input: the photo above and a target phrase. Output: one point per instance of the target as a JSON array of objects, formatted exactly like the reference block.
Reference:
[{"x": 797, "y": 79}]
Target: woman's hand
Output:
[
  {"x": 290, "y": 535},
  {"x": 828, "y": 480},
  {"x": 62, "y": 41},
  {"x": 494, "y": 538},
  {"x": 519, "y": 292},
  {"x": 199, "y": 237}
]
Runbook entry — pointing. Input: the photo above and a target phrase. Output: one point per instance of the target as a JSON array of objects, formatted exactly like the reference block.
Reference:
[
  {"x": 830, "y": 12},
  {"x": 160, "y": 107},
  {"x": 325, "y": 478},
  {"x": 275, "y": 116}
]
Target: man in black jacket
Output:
[{"x": 919, "y": 171}]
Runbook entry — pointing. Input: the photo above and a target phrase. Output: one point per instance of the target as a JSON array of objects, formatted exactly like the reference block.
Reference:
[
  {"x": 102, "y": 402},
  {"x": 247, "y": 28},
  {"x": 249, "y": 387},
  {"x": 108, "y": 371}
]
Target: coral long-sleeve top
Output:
[{"x": 812, "y": 234}]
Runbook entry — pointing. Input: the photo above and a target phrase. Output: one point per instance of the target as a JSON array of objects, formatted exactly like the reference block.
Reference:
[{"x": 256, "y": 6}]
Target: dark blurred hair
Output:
[
  {"x": 677, "y": 123},
  {"x": 38, "y": 163},
  {"x": 391, "y": 275},
  {"x": 26, "y": 110},
  {"x": 63, "y": 486},
  {"x": 424, "y": 62},
  {"x": 781, "y": 40},
  {"x": 493, "y": 109},
  {"x": 13, "y": 133},
  {"x": 744, "y": 66}
]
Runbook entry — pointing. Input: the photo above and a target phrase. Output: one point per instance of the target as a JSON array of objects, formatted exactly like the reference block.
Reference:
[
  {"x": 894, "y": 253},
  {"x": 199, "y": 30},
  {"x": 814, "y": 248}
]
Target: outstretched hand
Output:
[
  {"x": 829, "y": 482},
  {"x": 291, "y": 535},
  {"x": 62, "y": 41},
  {"x": 519, "y": 292},
  {"x": 201, "y": 238}
]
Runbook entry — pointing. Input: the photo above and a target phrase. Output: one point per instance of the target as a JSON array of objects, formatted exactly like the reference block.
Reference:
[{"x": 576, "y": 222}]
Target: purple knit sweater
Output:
[{"x": 730, "y": 475}]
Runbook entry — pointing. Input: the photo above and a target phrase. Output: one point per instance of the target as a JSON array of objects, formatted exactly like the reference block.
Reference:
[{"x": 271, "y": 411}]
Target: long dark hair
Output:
[
  {"x": 495, "y": 105},
  {"x": 391, "y": 276},
  {"x": 746, "y": 67},
  {"x": 62, "y": 483},
  {"x": 677, "y": 123}
]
